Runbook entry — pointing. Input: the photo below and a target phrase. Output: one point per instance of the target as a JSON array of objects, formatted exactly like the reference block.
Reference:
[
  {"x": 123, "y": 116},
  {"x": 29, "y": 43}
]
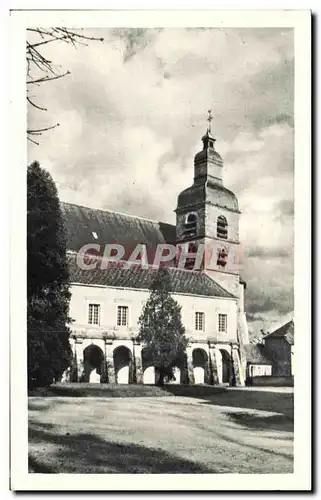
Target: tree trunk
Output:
[{"x": 160, "y": 381}]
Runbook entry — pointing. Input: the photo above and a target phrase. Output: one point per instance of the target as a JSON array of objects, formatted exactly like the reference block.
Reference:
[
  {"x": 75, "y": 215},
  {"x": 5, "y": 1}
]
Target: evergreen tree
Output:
[
  {"x": 49, "y": 352},
  {"x": 161, "y": 328}
]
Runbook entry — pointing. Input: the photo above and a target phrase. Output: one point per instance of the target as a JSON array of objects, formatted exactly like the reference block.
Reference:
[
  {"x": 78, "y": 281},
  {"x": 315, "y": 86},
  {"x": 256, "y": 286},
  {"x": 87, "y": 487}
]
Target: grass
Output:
[
  {"x": 123, "y": 391},
  {"x": 228, "y": 432}
]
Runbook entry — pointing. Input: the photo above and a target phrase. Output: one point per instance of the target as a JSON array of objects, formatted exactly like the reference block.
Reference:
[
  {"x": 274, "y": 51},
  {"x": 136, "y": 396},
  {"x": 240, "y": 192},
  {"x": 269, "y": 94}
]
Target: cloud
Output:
[
  {"x": 253, "y": 317},
  {"x": 136, "y": 39},
  {"x": 132, "y": 114},
  {"x": 268, "y": 253}
]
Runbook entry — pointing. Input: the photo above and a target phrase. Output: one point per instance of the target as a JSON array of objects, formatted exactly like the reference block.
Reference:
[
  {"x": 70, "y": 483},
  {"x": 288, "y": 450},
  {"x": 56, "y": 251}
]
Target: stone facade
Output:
[{"x": 208, "y": 353}]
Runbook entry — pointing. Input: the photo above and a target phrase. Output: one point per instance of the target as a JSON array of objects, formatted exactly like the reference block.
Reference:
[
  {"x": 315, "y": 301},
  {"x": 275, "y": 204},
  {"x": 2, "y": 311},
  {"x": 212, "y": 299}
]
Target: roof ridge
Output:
[
  {"x": 280, "y": 328},
  {"x": 220, "y": 286},
  {"x": 115, "y": 212}
]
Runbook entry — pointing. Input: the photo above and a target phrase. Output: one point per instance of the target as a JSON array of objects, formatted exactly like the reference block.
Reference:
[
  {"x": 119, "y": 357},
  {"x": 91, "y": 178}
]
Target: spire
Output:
[
  {"x": 208, "y": 139},
  {"x": 209, "y": 119},
  {"x": 208, "y": 163}
]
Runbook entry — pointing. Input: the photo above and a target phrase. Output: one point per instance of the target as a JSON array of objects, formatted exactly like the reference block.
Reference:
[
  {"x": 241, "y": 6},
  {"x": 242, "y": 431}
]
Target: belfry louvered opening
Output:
[
  {"x": 190, "y": 226},
  {"x": 221, "y": 227}
]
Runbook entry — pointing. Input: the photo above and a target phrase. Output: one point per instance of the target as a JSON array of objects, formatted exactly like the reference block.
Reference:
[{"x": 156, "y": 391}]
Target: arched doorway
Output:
[
  {"x": 123, "y": 365},
  {"x": 226, "y": 366},
  {"x": 93, "y": 362},
  {"x": 176, "y": 376},
  {"x": 149, "y": 374},
  {"x": 200, "y": 363}
]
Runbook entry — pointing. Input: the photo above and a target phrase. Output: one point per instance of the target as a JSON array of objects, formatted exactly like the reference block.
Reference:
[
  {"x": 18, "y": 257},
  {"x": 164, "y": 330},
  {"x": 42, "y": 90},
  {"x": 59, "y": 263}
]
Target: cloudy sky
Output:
[{"x": 132, "y": 113}]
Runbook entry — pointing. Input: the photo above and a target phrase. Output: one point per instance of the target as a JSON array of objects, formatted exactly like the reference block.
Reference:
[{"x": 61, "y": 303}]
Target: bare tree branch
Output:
[
  {"x": 31, "y": 140},
  {"x": 38, "y": 64},
  {"x": 48, "y": 78},
  {"x": 40, "y": 130},
  {"x": 35, "y": 105}
]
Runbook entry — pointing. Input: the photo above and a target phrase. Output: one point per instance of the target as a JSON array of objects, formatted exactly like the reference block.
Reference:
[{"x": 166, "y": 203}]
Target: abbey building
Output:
[{"x": 106, "y": 301}]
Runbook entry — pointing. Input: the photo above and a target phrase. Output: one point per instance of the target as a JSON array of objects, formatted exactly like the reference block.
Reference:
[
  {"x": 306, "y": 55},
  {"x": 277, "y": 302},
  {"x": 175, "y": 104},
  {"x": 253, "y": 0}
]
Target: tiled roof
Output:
[
  {"x": 255, "y": 354},
  {"x": 286, "y": 331},
  {"x": 183, "y": 281},
  {"x": 88, "y": 225}
]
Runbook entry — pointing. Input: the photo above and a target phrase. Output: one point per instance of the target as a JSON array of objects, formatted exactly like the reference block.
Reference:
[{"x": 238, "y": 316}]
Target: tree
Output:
[
  {"x": 49, "y": 352},
  {"x": 40, "y": 69},
  {"x": 258, "y": 338},
  {"x": 161, "y": 328}
]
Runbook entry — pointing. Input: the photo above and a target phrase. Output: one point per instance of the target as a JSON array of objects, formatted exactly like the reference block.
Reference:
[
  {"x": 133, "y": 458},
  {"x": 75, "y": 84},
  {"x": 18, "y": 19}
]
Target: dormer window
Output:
[
  {"x": 190, "y": 225},
  {"x": 221, "y": 227}
]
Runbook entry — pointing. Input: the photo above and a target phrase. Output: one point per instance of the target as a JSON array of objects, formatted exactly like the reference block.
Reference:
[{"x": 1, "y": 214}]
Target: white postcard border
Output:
[{"x": 20, "y": 479}]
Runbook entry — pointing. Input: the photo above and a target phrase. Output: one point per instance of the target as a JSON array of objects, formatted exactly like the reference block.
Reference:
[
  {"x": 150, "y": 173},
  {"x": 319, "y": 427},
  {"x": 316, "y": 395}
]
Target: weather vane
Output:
[{"x": 209, "y": 119}]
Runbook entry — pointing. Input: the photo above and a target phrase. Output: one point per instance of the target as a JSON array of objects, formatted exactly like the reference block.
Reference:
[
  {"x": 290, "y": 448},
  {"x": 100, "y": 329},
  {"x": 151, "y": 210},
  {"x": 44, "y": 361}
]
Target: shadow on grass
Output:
[
  {"x": 274, "y": 422},
  {"x": 257, "y": 400},
  {"x": 215, "y": 395},
  {"x": 193, "y": 391},
  {"x": 89, "y": 454}
]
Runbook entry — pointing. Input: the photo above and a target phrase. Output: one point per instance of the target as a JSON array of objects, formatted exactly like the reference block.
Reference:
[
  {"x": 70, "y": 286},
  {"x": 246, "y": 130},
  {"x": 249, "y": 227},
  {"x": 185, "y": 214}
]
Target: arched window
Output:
[
  {"x": 190, "y": 225},
  {"x": 221, "y": 227}
]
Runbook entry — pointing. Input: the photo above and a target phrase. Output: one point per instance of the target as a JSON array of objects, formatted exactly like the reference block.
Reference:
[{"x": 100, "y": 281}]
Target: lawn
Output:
[{"x": 236, "y": 431}]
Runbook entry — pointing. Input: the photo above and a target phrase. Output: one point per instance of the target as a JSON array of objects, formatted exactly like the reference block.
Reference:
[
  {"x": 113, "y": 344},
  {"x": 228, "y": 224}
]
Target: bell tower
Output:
[{"x": 207, "y": 213}]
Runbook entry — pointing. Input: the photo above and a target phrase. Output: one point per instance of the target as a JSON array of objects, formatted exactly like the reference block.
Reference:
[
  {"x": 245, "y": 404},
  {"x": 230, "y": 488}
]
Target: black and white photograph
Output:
[{"x": 159, "y": 209}]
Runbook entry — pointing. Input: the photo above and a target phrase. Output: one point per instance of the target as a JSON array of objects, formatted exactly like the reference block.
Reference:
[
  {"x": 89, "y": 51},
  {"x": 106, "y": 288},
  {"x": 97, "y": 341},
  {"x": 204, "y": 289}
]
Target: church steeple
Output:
[
  {"x": 207, "y": 205},
  {"x": 207, "y": 163},
  {"x": 208, "y": 214}
]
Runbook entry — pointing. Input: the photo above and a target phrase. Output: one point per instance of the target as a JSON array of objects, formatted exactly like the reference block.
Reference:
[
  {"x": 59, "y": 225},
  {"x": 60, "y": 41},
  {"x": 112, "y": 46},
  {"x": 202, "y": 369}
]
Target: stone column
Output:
[
  {"x": 138, "y": 363},
  {"x": 79, "y": 358},
  {"x": 103, "y": 369},
  {"x": 72, "y": 370},
  {"x": 190, "y": 368},
  {"x": 110, "y": 362},
  {"x": 213, "y": 364},
  {"x": 184, "y": 370},
  {"x": 238, "y": 369},
  {"x": 219, "y": 365}
]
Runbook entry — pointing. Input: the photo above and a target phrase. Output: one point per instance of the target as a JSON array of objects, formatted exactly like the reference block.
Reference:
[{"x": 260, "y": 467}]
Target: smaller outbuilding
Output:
[
  {"x": 279, "y": 347},
  {"x": 257, "y": 362}
]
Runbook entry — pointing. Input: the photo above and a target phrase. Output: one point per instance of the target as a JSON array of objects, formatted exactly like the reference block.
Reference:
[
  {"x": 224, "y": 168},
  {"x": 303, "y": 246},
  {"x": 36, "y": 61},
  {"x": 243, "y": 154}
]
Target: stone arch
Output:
[
  {"x": 123, "y": 365},
  {"x": 177, "y": 375},
  {"x": 200, "y": 366},
  {"x": 179, "y": 370},
  {"x": 93, "y": 359},
  {"x": 149, "y": 372},
  {"x": 226, "y": 366}
]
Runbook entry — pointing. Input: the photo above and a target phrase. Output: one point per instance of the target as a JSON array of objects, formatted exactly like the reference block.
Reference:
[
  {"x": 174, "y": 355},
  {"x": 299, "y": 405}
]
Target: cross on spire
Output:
[{"x": 209, "y": 119}]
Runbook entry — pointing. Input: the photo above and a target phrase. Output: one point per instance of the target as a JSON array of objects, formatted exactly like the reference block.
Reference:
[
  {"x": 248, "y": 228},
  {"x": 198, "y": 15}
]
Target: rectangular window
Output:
[
  {"x": 94, "y": 314},
  {"x": 222, "y": 323},
  {"x": 199, "y": 321},
  {"x": 122, "y": 316}
]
